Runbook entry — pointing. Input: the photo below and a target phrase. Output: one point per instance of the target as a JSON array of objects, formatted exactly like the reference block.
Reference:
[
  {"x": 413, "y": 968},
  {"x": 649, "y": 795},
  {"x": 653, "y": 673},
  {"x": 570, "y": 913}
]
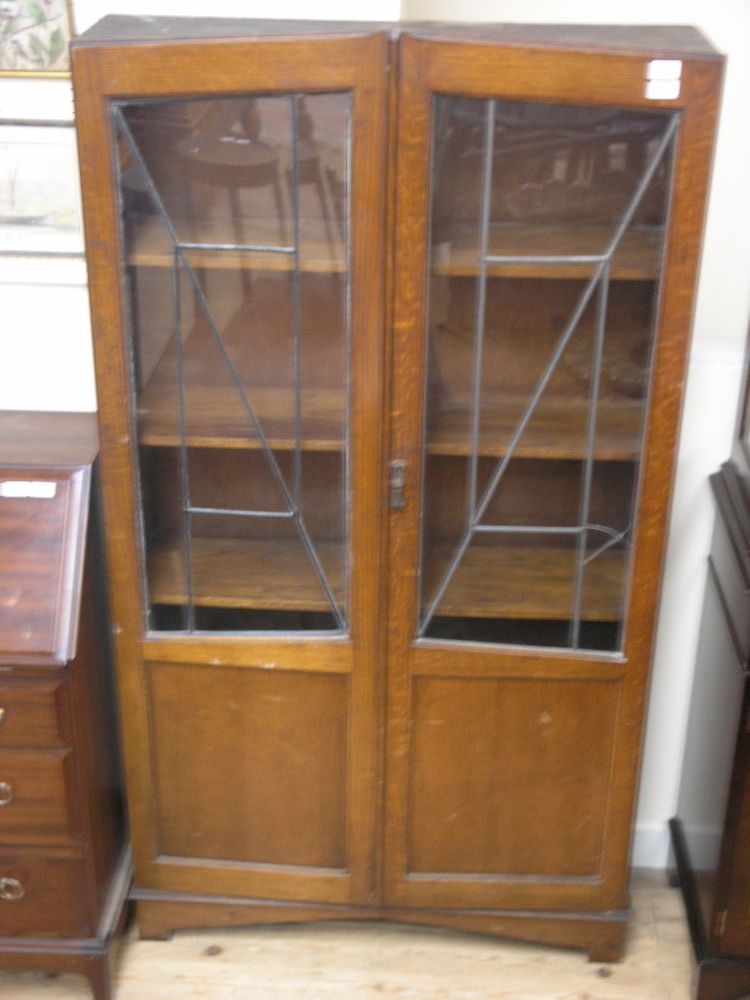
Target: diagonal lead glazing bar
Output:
[
  {"x": 247, "y": 405},
  {"x": 505, "y": 460},
  {"x": 539, "y": 390},
  {"x": 205, "y": 308},
  {"x": 648, "y": 176},
  {"x": 602, "y": 268},
  {"x": 581, "y": 560},
  {"x": 588, "y": 469},
  {"x": 615, "y": 539},
  {"x": 585, "y": 296},
  {"x": 278, "y": 475}
]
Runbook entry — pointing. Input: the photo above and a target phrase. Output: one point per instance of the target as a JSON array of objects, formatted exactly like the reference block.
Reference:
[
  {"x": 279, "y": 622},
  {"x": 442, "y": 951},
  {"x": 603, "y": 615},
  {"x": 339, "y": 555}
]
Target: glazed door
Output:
[
  {"x": 251, "y": 234},
  {"x": 532, "y": 228}
]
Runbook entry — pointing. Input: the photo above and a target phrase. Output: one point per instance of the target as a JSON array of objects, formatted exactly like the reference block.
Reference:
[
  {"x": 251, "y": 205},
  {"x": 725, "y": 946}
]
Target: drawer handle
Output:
[
  {"x": 2, "y": 715},
  {"x": 11, "y": 890},
  {"x": 6, "y": 793}
]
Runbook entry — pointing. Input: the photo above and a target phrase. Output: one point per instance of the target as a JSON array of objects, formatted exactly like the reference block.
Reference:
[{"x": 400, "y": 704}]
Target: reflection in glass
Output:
[
  {"x": 547, "y": 230},
  {"x": 235, "y": 217}
]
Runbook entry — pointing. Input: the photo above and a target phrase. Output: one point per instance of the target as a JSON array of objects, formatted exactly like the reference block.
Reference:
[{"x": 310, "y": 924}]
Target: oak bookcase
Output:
[{"x": 390, "y": 330}]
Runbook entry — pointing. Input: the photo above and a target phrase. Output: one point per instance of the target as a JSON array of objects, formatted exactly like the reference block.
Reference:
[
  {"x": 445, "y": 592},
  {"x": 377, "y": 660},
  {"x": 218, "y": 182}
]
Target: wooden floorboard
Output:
[{"x": 320, "y": 961}]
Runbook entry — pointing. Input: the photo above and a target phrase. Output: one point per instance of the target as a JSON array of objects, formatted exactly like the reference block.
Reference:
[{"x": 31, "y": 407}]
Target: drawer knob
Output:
[
  {"x": 11, "y": 889},
  {"x": 6, "y": 793}
]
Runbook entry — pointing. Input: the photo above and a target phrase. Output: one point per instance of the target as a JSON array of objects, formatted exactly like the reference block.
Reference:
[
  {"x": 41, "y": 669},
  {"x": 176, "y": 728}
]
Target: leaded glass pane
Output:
[
  {"x": 235, "y": 224},
  {"x": 546, "y": 236}
]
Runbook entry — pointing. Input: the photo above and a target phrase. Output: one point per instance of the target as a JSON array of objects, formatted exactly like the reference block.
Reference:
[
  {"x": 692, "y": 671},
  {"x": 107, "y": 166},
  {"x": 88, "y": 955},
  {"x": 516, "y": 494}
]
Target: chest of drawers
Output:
[{"x": 64, "y": 870}]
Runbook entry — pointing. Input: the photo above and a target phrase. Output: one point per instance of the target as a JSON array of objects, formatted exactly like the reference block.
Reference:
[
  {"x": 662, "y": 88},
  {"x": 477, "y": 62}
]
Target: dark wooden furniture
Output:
[
  {"x": 386, "y": 498},
  {"x": 64, "y": 870},
  {"x": 711, "y": 831}
]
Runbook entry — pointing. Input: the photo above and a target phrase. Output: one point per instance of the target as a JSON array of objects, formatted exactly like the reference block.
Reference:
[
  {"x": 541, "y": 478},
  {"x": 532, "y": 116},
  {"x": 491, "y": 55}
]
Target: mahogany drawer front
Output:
[
  {"x": 41, "y": 895},
  {"x": 34, "y": 798},
  {"x": 33, "y": 714}
]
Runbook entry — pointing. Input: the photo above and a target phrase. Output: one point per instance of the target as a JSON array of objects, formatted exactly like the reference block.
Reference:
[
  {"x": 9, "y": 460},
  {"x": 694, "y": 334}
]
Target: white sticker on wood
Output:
[{"x": 28, "y": 490}]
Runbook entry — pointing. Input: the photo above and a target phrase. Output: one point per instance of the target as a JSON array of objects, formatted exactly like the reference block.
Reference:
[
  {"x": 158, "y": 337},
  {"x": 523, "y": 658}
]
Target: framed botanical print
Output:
[{"x": 34, "y": 37}]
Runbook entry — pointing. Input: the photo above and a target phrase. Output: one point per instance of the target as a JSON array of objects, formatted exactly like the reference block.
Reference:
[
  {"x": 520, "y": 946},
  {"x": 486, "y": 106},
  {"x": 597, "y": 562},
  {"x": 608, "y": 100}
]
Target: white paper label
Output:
[
  {"x": 664, "y": 69},
  {"x": 663, "y": 79},
  {"x": 662, "y": 90},
  {"x": 39, "y": 489}
]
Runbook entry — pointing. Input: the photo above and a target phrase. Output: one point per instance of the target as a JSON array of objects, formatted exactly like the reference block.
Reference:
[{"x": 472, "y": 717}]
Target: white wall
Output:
[
  {"x": 89, "y": 11},
  {"x": 45, "y": 359}
]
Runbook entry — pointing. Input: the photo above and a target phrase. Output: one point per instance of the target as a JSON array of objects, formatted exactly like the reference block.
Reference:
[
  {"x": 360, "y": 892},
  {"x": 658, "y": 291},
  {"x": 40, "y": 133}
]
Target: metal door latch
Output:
[{"x": 397, "y": 470}]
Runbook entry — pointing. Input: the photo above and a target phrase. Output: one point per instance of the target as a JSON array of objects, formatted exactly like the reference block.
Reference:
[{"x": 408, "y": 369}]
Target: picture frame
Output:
[
  {"x": 34, "y": 37},
  {"x": 40, "y": 205}
]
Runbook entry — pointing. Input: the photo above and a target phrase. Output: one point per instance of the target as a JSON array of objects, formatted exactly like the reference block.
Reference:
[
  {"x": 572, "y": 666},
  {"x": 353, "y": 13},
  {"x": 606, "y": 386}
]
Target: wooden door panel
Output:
[
  {"x": 293, "y": 787},
  {"x": 509, "y": 777},
  {"x": 251, "y": 766},
  {"x": 508, "y": 788}
]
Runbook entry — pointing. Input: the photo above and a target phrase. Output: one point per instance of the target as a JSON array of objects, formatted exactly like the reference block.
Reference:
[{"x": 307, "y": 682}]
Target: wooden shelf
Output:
[
  {"x": 257, "y": 339},
  {"x": 217, "y": 419},
  {"x": 512, "y": 582},
  {"x": 524, "y": 582},
  {"x": 245, "y": 573},
  {"x": 556, "y": 431},
  {"x": 456, "y": 250},
  {"x": 150, "y": 247}
]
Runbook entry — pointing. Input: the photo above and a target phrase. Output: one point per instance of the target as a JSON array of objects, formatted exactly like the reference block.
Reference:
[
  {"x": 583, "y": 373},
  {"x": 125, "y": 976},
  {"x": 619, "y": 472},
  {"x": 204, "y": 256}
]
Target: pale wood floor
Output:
[{"x": 321, "y": 961}]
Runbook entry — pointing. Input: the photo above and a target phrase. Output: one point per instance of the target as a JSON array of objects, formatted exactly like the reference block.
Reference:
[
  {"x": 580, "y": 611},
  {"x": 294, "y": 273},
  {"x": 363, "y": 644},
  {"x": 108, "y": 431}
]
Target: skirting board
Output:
[{"x": 651, "y": 845}]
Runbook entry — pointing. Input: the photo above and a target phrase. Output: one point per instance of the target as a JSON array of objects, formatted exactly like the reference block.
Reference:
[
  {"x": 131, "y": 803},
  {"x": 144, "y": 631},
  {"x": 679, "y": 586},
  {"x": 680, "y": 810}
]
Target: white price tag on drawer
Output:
[{"x": 22, "y": 489}]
